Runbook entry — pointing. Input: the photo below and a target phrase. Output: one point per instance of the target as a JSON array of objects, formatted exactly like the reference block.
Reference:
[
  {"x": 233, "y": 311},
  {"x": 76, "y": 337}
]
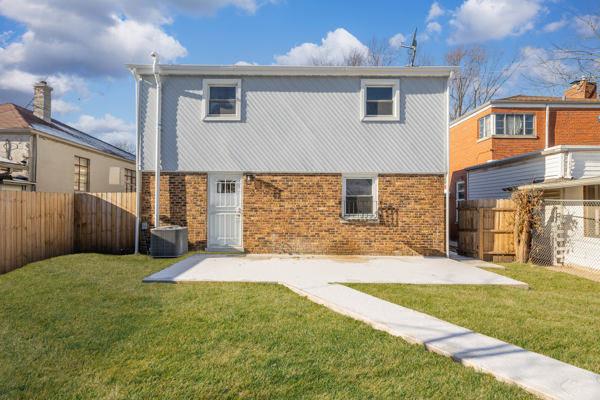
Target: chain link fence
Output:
[{"x": 569, "y": 234}]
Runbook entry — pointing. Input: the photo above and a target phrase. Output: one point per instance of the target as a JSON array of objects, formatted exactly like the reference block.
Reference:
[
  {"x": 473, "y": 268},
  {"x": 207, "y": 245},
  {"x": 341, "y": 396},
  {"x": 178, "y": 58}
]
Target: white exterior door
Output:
[{"x": 224, "y": 212}]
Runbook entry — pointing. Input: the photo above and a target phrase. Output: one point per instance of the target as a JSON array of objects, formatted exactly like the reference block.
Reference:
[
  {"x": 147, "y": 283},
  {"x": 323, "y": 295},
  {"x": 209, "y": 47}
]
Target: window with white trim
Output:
[
  {"x": 380, "y": 100},
  {"x": 222, "y": 99},
  {"x": 507, "y": 125},
  {"x": 460, "y": 195},
  {"x": 359, "y": 197}
]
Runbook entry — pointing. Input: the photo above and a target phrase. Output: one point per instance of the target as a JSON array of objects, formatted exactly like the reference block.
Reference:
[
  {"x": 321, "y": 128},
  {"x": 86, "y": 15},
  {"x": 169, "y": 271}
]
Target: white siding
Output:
[
  {"x": 488, "y": 183},
  {"x": 297, "y": 124},
  {"x": 585, "y": 164}
]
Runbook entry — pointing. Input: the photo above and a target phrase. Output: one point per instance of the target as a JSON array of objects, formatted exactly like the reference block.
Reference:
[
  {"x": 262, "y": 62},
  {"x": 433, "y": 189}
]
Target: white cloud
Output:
[
  {"x": 554, "y": 26},
  {"x": 77, "y": 39},
  {"x": 537, "y": 66},
  {"x": 397, "y": 40},
  {"x": 482, "y": 20},
  {"x": 434, "y": 27},
  {"x": 334, "y": 49},
  {"x": 108, "y": 128},
  {"x": 62, "y": 106},
  {"x": 246, "y": 63},
  {"x": 435, "y": 11}
]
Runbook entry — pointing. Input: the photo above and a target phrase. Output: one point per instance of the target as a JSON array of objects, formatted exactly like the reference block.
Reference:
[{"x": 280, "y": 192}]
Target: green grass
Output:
[
  {"x": 559, "y": 316},
  {"x": 84, "y": 326}
]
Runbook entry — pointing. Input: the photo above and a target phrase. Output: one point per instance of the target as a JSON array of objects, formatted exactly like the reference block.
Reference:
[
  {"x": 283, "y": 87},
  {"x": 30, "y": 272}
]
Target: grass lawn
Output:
[
  {"x": 84, "y": 326},
  {"x": 559, "y": 316}
]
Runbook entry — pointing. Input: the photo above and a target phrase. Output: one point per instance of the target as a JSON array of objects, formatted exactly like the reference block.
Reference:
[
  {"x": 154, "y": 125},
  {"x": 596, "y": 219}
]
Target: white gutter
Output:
[
  {"x": 138, "y": 163},
  {"x": 156, "y": 72}
]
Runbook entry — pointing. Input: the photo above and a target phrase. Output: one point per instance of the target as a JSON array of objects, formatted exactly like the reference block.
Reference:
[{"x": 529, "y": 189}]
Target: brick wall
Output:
[
  {"x": 575, "y": 126},
  {"x": 290, "y": 213},
  {"x": 182, "y": 202}
]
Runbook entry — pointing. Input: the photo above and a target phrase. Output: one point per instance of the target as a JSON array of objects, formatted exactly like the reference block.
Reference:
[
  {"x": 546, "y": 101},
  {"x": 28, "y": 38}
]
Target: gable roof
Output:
[{"x": 13, "y": 116}]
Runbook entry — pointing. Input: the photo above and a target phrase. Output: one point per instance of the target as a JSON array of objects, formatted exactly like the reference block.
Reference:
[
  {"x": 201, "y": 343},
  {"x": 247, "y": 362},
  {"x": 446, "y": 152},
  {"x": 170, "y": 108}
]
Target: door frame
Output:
[{"x": 209, "y": 193}]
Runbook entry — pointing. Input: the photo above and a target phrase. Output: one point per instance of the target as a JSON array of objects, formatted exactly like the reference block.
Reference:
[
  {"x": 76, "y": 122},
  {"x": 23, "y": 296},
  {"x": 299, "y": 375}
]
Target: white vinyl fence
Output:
[{"x": 569, "y": 234}]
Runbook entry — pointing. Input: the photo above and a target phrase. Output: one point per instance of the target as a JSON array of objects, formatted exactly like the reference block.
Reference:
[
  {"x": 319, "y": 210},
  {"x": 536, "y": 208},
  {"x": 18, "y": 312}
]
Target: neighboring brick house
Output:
[
  {"x": 40, "y": 153},
  {"x": 271, "y": 159},
  {"x": 512, "y": 129}
]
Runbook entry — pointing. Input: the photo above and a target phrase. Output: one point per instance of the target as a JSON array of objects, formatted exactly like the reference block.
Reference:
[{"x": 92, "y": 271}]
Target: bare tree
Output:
[
  {"x": 124, "y": 145},
  {"x": 479, "y": 79},
  {"x": 379, "y": 53}
]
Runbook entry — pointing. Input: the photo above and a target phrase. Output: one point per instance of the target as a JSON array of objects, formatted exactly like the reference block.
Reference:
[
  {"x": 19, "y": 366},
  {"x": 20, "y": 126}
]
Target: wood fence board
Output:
[
  {"x": 39, "y": 225},
  {"x": 485, "y": 229}
]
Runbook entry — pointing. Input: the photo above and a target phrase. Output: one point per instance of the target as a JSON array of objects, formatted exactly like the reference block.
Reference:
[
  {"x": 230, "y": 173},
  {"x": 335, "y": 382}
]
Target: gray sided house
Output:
[{"x": 270, "y": 159}]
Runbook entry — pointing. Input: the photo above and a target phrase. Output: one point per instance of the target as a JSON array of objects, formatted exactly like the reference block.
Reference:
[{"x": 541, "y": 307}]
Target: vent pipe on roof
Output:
[
  {"x": 157, "y": 158},
  {"x": 42, "y": 101}
]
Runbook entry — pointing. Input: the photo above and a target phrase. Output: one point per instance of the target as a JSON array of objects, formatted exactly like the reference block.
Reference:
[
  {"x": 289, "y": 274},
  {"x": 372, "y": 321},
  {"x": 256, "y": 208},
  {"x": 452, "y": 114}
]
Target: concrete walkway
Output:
[{"x": 312, "y": 277}]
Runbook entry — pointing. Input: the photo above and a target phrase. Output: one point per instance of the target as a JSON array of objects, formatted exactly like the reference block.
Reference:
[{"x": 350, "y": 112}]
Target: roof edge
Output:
[{"x": 284, "y": 70}]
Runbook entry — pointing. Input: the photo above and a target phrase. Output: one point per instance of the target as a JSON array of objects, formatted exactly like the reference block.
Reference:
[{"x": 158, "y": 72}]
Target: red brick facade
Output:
[{"x": 293, "y": 213}]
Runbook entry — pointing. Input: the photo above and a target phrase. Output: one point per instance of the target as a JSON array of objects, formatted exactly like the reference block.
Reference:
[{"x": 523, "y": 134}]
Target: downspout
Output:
[
  {"x": 447, "y": 199},
  {"x": 138, "y": 161},
  {"x": 156, "y": 72},
  {"x": 547, "y": 126}
]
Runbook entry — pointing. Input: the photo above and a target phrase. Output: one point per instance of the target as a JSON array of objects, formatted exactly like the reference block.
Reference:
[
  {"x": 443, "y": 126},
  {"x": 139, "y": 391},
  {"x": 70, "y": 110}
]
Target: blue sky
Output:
[{"x": 81, "y": 47}]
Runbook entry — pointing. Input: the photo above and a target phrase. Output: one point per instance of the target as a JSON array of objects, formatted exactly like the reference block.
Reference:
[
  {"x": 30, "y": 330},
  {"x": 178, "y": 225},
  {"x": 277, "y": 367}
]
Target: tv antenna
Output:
[{"x": 412, "y": 49}]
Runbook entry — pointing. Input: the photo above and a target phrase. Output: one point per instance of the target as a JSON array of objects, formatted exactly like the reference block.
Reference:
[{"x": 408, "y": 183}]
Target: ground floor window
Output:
[
  {"x": 359, "y": 197},
  {"x": 81, "y": 178},
  {"x": 129, "y": 180},
  {"x": 460, "y": 195},
  {"x": 591, "y": 210}
]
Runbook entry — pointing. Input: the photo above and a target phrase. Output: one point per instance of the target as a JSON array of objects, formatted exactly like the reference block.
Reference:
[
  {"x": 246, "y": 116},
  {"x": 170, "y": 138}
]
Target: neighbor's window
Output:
[
  {"x": 82, "y": 174},
  {"x": 514, "y": 124},
  {"x": 129, "y": 180},
  {"x": 380, "y": 100},
  {"x": 485, "y": 127},
  {"x": 360, "y": 197},
  {"x": 506, "y": 124},
  {"x": 591, "y": 211},
  {"x": 460, "y": 195},
  {"x": 225, "y": 186},
  {"x": 222, "y": 99}
]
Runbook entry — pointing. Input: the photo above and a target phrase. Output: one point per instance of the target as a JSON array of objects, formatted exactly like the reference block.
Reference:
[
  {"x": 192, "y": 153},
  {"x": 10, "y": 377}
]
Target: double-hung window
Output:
[
  {"x": 359, "y": 197},
  {"x": 485, "y": 127},
  {"x": 380, "y": 100},
  {"x": 222, "y": 99}
]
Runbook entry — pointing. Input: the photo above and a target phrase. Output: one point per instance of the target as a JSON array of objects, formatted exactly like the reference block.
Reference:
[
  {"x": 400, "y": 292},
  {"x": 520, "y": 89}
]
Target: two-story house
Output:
[
  {"x": 552, "y": 143},
  {"x": 40, "y": 153},
  {"x": 274, "y": 159}
]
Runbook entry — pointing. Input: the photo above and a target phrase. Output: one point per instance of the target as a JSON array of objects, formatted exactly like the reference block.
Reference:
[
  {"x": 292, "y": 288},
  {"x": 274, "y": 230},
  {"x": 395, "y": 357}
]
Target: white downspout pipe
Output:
[
  {"x": 156, "y": 72},
  {"x": 138, "y": 162},
  {"x": 547, "y": 144},
  {"x": 447, "y": 199}
]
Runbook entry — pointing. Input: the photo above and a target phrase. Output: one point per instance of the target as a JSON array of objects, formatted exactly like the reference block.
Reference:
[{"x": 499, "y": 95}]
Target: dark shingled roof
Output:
[{"x": 13, "y": 116}]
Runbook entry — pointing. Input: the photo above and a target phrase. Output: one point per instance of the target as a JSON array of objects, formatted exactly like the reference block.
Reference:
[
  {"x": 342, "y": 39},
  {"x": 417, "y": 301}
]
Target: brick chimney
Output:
[
  {"x": 42, "y": 101},
  {"x": 581, "y": 89}
]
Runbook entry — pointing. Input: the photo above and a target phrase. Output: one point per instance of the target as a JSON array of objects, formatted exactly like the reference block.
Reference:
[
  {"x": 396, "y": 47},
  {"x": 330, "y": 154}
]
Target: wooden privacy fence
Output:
[
  {"x": 486, "y": 229},
  {"x": 38, "y": 225}
]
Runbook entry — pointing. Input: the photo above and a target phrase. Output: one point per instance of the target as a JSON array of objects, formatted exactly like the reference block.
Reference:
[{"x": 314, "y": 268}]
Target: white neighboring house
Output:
[
  {"x": 40, "y": 153},
  {"x": 569, "y": 175}
]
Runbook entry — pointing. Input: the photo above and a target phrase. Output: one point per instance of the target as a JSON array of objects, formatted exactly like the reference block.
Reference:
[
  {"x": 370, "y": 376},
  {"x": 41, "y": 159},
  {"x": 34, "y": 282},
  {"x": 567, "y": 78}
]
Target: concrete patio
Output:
[
  {"x": 318, "y": 279},
  {"x": 328, "y": 269}
]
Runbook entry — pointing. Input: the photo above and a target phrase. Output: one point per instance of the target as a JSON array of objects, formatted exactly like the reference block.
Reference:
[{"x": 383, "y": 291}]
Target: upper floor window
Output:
[
  {"x": 222, "y": 99},
  {"x": 380, "y": 100},
  {"x": 359, "y": 197},
  {"x": 506, "y": 125},
  {"x": 81, "y": 177}
]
